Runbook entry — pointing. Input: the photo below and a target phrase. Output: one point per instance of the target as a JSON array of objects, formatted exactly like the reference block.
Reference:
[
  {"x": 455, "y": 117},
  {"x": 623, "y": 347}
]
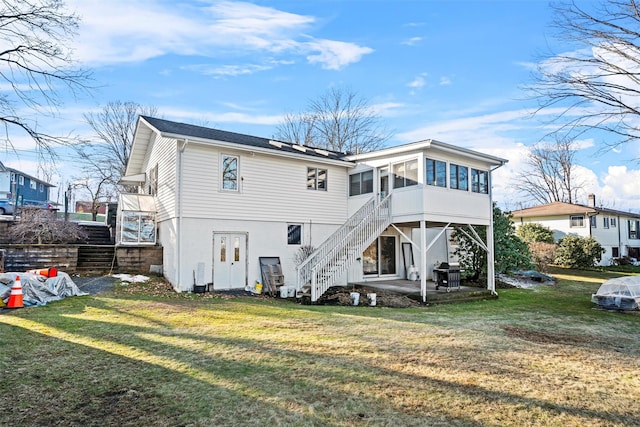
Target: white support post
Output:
[
  {"x": 491, "y": 277},
  {"x": 423, "y": 260}
]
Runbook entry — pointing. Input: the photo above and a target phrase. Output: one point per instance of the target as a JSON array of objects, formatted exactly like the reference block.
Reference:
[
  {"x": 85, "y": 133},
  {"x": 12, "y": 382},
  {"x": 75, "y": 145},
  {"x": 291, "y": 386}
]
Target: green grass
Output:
[{"x": 541, "y": 356}]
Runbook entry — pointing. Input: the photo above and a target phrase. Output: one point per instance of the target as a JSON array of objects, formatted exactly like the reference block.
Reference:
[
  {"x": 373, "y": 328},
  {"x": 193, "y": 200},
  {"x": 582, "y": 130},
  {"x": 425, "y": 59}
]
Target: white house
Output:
[
  {"x": 224, "y": 200},
  {"x": 617, "y": 232}
]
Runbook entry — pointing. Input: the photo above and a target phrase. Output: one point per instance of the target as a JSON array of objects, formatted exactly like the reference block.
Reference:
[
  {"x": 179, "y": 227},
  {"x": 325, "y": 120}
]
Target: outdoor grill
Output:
[{"x": 448, "y": 276}]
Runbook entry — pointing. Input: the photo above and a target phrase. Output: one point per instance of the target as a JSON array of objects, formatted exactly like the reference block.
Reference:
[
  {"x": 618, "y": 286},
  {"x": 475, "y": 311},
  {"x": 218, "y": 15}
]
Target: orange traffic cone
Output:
[
  {"x": 15, "y": 299},
  {"x": 46, "y": 272}
]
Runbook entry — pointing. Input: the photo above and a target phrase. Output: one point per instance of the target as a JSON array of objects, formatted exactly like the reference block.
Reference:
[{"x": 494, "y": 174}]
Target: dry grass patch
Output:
[{"x": 140, "y": 357}]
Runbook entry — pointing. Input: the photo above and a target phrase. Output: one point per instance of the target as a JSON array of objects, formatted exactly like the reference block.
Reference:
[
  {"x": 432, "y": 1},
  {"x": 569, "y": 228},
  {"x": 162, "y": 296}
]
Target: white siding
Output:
[
  {"x": 163, "y": 152},
  {"x": 270, "y": 189}
]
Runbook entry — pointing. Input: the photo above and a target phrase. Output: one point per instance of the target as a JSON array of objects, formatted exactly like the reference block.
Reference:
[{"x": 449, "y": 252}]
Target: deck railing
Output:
[{"x": 332, "y": 259}]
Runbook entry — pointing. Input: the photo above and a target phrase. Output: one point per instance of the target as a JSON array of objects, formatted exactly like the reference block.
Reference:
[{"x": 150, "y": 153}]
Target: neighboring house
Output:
[
  {"x": 218, "y": 201},
  {"x": 23, "y": 189},
  {"x": 617, "y": 232}
]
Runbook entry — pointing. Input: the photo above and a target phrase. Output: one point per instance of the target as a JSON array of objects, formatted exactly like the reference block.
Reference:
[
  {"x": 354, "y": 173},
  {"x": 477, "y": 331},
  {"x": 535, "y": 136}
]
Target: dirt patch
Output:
[
  {"x": 342, "y": 296},
  {"x": 545, "y": 337}
]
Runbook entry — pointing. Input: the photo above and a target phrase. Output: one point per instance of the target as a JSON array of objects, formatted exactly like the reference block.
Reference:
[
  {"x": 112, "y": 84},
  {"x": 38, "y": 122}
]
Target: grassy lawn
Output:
[{"x": 539, "y": 357}]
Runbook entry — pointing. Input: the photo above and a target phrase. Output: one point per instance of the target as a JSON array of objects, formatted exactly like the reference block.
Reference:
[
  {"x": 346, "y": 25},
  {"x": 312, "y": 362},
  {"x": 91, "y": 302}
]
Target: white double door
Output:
[{"x": 229, "y": 260}]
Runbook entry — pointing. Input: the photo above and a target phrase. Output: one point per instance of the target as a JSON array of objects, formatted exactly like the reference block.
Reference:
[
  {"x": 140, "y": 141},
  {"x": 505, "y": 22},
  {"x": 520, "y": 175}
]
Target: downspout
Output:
[{"x": 179, "y": 231}]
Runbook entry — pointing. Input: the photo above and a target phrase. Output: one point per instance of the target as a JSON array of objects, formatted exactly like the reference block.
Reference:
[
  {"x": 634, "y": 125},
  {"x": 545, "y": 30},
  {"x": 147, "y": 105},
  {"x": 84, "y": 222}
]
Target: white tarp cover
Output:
[
  {"x": 622, "y": 293},
  {"x": 39, "y": 290}
]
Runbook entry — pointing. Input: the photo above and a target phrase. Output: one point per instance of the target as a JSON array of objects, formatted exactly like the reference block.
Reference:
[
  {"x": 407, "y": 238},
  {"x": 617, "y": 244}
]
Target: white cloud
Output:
[
  {"x": 120, "y": 31},
  {"x": 412, "y": 41},
  {"x": 227, "y": 70},
  {"x": 418, "y": 82},
  {"x": 334, "y": 55},
  {"x": 445, "y": 81}
]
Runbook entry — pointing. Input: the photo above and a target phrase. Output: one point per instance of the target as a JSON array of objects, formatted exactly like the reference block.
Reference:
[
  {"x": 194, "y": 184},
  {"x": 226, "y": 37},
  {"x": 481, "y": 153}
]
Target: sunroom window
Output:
[
  {"x": 405, "y": 174},
  {"x": 436, "y": 173},
  {"x": 458, "y": 177}
]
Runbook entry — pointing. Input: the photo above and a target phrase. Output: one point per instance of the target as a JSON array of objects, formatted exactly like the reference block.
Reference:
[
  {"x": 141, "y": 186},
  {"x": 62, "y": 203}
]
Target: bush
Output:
[
  {"x": 41, "y": 226},
  {"x": 543, "y": 254},
  {"x": 533, "y": 232},
  {"x": 578, "y": 252}
]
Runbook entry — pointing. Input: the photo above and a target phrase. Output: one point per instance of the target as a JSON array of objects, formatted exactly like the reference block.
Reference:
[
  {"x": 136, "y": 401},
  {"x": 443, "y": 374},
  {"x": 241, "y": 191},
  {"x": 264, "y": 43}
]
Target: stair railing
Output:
[{"x": 327, "y": 263}]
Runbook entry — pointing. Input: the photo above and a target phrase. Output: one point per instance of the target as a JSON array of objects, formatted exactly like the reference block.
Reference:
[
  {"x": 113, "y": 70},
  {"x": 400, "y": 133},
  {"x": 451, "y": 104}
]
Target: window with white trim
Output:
[
  {"x": 21, "y": 180},
  {"x": 436, "y": 173},
  {"x": 479, "y": 181},
  {"x": 405, "y": 174},
  {"x": 458, "y": 177},
  {"x": 229, "y": 168},
  {"x": 605, "y": 222},
  {"x": 361, "y": 183},
  {"x": 294, "y": 234},
  {"x": 32, "y": 184},
  {"x": 576, "y": 221},
  {"x": 634, "y": 227},
  {"x": 316, "y": 179},
  {"x": 41, "y": 188},
  {"x": 614, "y": 223},
  {"x": 592, "y": 222}
]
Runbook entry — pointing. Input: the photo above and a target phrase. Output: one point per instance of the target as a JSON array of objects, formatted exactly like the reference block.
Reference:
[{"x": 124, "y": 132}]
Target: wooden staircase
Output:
[
  {"x": 96, "y": 258},
  {"x": 97, "y": 253}
]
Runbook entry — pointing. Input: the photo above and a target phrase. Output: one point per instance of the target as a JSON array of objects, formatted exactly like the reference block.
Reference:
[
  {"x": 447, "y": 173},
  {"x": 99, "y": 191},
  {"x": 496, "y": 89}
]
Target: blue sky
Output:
[{"x": 451, "y": 71}]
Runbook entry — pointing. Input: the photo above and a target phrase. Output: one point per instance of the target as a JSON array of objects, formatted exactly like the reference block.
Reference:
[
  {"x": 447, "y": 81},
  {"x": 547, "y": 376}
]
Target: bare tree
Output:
[
  {"x": 339, "y": 120},
  {"x": 548, "y": 175},
  {"x": 36, "y": 64},
  {"x": 596, "y": 86},
  {"x": 114, "y": 127},
  {"x": 97, "y": 187}
]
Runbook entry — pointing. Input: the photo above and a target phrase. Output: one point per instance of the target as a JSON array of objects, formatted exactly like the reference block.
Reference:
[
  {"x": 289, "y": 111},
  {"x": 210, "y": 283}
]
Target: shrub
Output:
[
  {"x": 543, "y": 254},
  {"x": 578, "y": 252},
  {"x": 533, "y": 232},
  {"x": 36, "y": 225}
]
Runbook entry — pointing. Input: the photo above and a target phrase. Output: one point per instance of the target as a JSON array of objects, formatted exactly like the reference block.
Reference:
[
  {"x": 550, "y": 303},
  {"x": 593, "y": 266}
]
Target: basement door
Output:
[{"x": 229, "y": 260}]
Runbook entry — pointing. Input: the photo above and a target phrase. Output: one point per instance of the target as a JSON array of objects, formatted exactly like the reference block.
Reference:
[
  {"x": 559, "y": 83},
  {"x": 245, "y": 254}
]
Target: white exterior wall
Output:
[
  {"x": 264, "y": 238},
  {"x": 270, "y": 189},
  {"x": 272, "y": 194},
  {"x": 163, "y": 152},
  {"x": 5, "y": 184}
]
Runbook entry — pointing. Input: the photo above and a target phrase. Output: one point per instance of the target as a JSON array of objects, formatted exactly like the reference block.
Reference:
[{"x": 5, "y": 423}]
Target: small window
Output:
[
  {"x": 614, "y": 223},
  {"x": 361, "y": 183},
  {"x": 13, "y": 177},
  {"x": 577, "y": 221},
  {"x": 479, "y": 181},
  {"x": 21, "y": 180},
  {"x": 230, "y": 173},
  {"x": 605, "y": 222},
  {"x": 33, "y": 185},
  {"x": 615, "y": 252},
  {"x": 153, "y": 181},
  {"x": 458, "y": 177},
  {"x": 634, "y": 226},
  {"x": 41, "y": 187},
  {"x": 405, "y": 174},
  {"x": 294, "y": 234},
  {"x": 223, "y": 249},
  {"x": 592, "y": 222},
  {"x": 436, "y": 173},
  {"x": 316, "y": 179}
]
